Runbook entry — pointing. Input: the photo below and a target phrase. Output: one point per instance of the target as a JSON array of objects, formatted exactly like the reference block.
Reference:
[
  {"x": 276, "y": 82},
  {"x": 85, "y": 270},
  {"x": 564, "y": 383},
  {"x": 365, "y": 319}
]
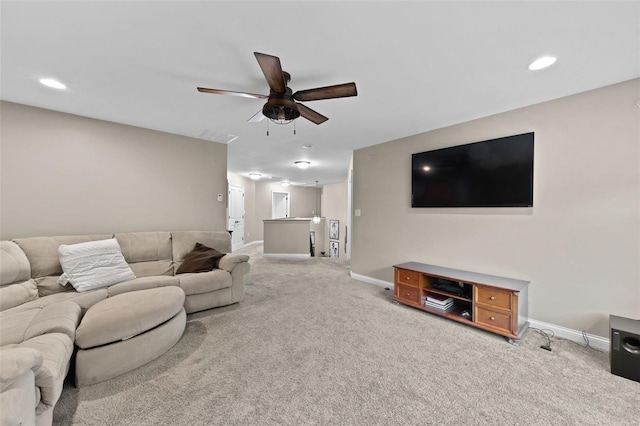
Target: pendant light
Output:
[{"x": 316, "y": 216}]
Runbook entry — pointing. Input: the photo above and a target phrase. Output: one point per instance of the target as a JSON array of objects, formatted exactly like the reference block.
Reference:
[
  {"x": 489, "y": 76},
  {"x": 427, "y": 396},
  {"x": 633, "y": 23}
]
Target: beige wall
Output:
[
  {"x": 334, "y": 206},
  {"x": 64, "y": 174},
  {"x": 580, "y": 243},
  {"x": 302, "y": 199},
  {"x": 251, "y": 229}
]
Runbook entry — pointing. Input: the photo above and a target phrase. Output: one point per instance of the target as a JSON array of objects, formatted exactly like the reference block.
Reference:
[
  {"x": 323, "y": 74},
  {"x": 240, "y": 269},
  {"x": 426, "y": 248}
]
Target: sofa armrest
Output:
[
  {"x": 18, "y": 394},
  {"x": 229, "y": 261},
  {"x": 14, "y": 362}
]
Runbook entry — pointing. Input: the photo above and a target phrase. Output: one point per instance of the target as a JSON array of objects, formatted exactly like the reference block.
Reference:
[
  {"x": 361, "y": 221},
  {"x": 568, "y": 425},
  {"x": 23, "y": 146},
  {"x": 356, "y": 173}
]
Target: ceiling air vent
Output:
[{"x": 219, "y": 137}]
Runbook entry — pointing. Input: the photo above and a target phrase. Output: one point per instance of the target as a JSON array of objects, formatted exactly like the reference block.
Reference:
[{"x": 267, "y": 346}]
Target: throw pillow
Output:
[
  {"x": 200, "y": 259},
  {"x": 94, "y": 264}
]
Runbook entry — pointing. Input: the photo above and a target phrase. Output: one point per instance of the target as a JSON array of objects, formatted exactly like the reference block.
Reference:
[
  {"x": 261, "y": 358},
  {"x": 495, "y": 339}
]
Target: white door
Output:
[
  {"x": 236, "y": 216},
  {"x": 279, "y": 205}
]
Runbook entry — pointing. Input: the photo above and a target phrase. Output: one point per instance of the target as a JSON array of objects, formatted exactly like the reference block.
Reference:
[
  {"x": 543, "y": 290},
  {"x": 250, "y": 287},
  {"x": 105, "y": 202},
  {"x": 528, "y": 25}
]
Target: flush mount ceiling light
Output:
[
  {"x": 285, "y": 183},
  {"x": 50, "y": 82},
  {"x": 302, "y": 164},
  {"x": 307, "y": 146},
  {"x": 541, "y": 63},
  {"x": 255, "y": 176}
]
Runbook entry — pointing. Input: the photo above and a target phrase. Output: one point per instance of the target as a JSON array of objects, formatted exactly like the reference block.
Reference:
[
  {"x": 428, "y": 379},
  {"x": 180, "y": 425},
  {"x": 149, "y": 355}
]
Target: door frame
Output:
[
  {"x": 229, "y": 201},
  {"x": 288, "y": 204}
]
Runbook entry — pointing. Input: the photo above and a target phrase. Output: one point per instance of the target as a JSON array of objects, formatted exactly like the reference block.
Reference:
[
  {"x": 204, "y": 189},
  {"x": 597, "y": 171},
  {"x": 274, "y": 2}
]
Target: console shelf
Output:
[{"x": 492, "y": 303}]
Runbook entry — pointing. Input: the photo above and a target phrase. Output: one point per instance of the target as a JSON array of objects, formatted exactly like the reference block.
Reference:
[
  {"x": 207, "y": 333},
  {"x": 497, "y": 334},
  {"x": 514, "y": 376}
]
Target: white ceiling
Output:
[{"x": 417, "y": 65}]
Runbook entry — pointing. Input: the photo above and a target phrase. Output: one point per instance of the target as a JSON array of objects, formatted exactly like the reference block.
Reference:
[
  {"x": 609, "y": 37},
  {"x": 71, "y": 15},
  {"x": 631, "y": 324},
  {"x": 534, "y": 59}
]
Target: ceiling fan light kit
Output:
[
  {"x": 281, "y": 111},
  {"x": 302, "y": 164},
  {"x": 281, "y": 106}
]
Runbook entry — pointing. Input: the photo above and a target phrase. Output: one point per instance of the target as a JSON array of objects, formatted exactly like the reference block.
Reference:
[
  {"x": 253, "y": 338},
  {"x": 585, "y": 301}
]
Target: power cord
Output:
[
  {"x": 546, "y": 333},
  {"x": 586, "y": 341}
]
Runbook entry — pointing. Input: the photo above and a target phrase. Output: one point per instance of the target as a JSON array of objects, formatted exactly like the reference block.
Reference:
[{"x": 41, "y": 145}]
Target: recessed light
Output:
[
  {"x": 50, "y": 82},
  {"x": 285, "y": 183},
  {"x": 541, "y": 63},
  {"x": 302, "y": 164},
  {"x": 255, "y": 176}
]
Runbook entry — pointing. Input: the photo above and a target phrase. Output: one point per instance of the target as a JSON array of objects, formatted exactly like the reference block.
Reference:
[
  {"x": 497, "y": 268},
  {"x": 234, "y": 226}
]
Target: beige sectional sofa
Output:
[{"x": 39, "y": 316}]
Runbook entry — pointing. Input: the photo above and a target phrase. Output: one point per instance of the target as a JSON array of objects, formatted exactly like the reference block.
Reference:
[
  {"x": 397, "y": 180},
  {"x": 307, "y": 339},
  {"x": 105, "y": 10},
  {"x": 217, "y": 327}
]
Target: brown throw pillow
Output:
[{"x": 200, "y": 259}]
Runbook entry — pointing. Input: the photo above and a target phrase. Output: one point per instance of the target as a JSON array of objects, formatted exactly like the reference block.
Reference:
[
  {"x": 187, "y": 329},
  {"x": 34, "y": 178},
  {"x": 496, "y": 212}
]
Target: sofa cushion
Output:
[
  {"x": 42, "y": 252},
  {"x": 14, "y": 295},
  {"x": 148, "y": 253},
  {"x": 84, "y": 300},
  {"x": 184, "y": 241},
  {"x": 14, "y": 265},
  {"x": 94, "y": 264},
  {"x": 50, "y": 285},
  {"x": 200, "y": 259},
  {"x": 129, "y": 314},
  {"x": 204, "y": 282},
  {"x": 62, "y": 317},
  {"x": 143, "y": 283}
]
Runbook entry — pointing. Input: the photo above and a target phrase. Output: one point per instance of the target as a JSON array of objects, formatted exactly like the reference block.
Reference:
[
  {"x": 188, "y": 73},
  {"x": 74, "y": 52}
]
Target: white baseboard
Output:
[
  {"x": 366, "y": 279},
  {"x": 252, "y": 243},
  {"x": 596, "y": 342},
  {"x": 286, "y": 256}
]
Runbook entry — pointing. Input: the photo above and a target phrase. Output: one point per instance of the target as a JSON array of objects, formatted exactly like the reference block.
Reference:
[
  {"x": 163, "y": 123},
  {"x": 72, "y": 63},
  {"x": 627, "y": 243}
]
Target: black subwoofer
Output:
[{"x": 624, "y": 352}]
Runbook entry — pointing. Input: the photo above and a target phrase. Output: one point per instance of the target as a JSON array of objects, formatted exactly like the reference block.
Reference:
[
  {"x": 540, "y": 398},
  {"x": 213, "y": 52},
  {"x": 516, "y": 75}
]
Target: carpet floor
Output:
[{"x": 311, "y": 346}]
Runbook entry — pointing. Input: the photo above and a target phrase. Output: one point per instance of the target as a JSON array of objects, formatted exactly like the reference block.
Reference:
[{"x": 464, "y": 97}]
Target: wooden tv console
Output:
[{"x": 492, "y": 303}]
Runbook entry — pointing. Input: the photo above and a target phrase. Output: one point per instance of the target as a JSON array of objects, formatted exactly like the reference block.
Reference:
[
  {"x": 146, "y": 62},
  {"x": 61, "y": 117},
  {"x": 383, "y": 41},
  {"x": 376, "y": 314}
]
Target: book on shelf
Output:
[
  {"x": 446, "y": 308},
  {"x": 439, "y": 298}
]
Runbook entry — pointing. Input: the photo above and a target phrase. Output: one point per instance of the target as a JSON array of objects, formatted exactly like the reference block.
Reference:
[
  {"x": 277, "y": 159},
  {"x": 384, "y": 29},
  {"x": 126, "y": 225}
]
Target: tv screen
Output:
[{"x": 492, "y": 173}]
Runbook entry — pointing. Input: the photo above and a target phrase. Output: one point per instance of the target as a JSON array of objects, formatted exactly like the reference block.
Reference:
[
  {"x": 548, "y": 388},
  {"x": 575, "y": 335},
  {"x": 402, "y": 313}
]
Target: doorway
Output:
[
  {"x": 279, "y": 205},
  {"x": 236, "y": 216}
]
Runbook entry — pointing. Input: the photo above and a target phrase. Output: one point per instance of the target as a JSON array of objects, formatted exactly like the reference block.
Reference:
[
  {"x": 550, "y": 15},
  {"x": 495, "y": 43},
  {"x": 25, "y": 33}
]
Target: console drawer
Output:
[
  {"x": 408, "y": 277},
  {"x": 493, "y": 297},
  {"x": 493, "y": 319},
  {"x": 408, "y": 293}
]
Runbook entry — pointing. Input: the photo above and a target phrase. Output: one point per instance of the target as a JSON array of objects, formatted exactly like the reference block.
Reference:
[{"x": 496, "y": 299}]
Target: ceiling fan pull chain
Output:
[
  {"x": 294, "y": 127},
  {"x": 267, "y": 127}
]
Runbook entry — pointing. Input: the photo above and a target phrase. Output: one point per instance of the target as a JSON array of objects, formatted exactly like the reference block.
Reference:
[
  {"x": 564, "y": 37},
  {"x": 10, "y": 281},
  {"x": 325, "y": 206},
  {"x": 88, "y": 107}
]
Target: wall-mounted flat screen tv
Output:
[{"x": 492, "y": 173}]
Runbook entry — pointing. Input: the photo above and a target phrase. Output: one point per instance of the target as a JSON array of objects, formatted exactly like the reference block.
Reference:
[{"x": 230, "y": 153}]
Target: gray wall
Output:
[
  {"x": 580, "y": 243},
  {"x": 64, "y": 174}
]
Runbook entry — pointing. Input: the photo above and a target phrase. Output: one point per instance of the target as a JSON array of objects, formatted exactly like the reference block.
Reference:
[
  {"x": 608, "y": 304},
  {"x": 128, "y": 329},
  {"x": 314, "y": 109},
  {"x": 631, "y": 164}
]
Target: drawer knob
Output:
[
  {"x": 408, "y": 294},
  {"x": 492, "y": 298},
  {"x": 492, "y": 318}
]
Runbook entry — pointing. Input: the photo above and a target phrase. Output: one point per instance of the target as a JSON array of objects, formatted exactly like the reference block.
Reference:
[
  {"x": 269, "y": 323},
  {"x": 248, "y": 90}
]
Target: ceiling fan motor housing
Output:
[{"x": 281, "y": 107}]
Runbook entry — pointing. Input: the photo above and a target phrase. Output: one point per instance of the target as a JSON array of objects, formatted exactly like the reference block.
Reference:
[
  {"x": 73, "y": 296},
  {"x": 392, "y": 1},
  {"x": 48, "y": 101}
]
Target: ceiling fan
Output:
[{"x": 281, "y": 106}]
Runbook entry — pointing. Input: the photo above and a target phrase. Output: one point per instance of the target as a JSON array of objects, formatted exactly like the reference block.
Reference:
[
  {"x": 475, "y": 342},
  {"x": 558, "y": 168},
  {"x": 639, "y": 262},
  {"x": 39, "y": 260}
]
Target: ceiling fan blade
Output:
[
  {"x": 272, "y": 71},
  {"x": 311, "y": 115},
  {"x": 258, "y": 116},
  {"x": 328, "y": 92},
  {"x": 229, "y": 92}
]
